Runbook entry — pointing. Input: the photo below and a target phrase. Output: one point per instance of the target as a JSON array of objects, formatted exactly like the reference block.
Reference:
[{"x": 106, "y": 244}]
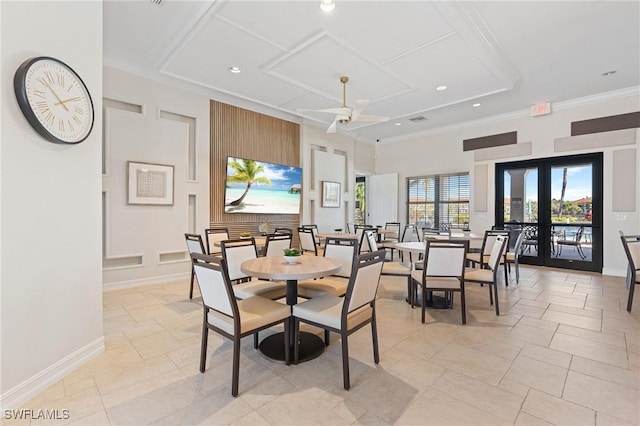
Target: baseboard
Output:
[
  {"x": 23, "y": 392},
  {"x": 120, "y": 285},
  {"x": 614, "y": 272}
]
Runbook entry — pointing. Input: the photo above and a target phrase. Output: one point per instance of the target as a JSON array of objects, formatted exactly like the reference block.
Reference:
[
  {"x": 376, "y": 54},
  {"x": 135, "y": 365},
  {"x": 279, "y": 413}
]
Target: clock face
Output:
[{"x": 54, "y": 100}]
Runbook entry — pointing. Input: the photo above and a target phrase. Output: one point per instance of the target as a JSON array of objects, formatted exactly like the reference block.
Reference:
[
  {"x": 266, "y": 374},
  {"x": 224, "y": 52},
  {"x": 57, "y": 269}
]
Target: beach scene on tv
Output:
[{"x": 260, "y": 187}]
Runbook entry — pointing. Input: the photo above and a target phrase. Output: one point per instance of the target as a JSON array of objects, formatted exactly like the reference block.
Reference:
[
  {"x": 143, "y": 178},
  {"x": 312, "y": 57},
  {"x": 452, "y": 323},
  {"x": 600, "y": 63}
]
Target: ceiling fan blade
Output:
[
  {"x": 367, "y": 117},
  {"x": 357, "y": 110},
  {"x": 332, "y": 128},
  {"x": 341, "y": 111}
]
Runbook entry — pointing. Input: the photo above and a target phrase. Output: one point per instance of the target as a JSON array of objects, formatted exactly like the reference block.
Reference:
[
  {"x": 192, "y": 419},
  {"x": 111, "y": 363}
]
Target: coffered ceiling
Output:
[{"x": 505, "y": 55}]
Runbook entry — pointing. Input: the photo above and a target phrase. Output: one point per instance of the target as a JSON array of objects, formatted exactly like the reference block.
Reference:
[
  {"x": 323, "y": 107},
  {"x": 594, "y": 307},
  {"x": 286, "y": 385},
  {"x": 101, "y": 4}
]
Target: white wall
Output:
[
  {"x": 332, "y": 157},
  {"x": 145, "y": 244},
  {"x": 51, "y": 282},
  {"x": 442, "y": 153}
]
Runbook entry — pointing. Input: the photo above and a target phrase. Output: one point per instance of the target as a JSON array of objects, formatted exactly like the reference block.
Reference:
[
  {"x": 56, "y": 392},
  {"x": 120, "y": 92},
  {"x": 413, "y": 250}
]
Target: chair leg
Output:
[
  {"x": 490, "y": 295},
  {"x": 296, "y": 338},
  {"x": 345, "y": 362},
  {"x": 327, "y": 337},
  {"x": 424, "y": 302},
  {"x": 203, "y": 347},
  {"x": 517, "y": 268},
  {"x": 463, "y": 304},
  {"x": 236, "y": 366},
  {"x": 506, "y": 276},
  {"x": 193, "y": 274},
  {"x": 255, "y": 339},
  {"x": 410, "y": 292},
  {"x": 632, "y": 286},
  {"x": 287, "y": 348},
  {"x": 495, "y": 290},
  {"x": 374, "y": 339}
]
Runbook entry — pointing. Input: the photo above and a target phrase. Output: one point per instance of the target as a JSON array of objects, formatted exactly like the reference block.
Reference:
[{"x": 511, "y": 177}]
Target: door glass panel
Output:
[
  {"x": 521, "y": 195},
  {"x": 571, "y": 212}
]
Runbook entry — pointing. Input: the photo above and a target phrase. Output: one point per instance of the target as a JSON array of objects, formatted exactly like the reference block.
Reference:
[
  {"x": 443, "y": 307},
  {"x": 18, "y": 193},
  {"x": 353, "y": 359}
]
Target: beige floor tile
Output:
[
  {"x": 476, "y": 364},
  {"x": 604, "y": 420},
  {"x": 573, "y": 320},
  {"x": 157, "y": 344},
  {"x": 557, "y": 411},
  {"x": 611, "y": 337},
  {"x": 416, "y": 372},
  {"x": 217, "y": 408},
  {"x": 296, "y": 409},
  {"x": 535, "y": 335},
  {"x": 540, "y": 353},
  {"x": 251, "y": 419},
  {"x": 603, "y": 396},
  {"x": 606, "y": 353},
  {"x": 491, "y": 399},
  {"x": 99, "y": 418},
  {"x": 538, "y": 375},
  {"x": 525, "y": 419},
  {"x": 607, "y": 372},
  {"x": 514, "y": 387}
]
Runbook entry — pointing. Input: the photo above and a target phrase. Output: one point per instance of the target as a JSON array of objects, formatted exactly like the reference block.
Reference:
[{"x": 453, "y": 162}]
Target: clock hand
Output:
[
  {"x": 56, "y": 95},
  {"x": 62, "y": 102}
]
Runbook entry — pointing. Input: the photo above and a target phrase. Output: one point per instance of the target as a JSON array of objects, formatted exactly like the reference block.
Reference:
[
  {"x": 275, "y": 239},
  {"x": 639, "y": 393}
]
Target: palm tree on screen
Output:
[{"x": 247, "y": 171}]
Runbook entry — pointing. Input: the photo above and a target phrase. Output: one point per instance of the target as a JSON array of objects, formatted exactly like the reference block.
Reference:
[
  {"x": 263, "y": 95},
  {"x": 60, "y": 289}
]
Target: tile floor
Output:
[{"x": 564, "y": 352}]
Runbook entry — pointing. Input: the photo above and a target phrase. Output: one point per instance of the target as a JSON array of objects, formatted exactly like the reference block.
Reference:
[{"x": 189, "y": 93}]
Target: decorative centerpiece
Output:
[
  {"x": 291, "y": 255},
  {"x": 245, "y": 235},
  {"x": 263, "y": 227}
]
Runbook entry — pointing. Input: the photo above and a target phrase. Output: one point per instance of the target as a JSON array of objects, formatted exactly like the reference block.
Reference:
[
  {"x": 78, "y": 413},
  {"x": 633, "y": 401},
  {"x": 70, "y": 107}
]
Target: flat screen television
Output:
[{"x": 260, "y": 187}]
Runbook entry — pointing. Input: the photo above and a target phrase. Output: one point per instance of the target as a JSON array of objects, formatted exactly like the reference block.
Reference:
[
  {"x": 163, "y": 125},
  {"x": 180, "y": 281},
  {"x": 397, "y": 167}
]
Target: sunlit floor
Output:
[{"x": 563, "y": 351}]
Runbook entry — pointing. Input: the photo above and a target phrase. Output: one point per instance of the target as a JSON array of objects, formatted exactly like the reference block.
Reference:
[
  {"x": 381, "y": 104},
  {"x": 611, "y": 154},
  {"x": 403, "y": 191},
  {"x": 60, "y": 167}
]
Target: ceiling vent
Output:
[
  {"x": 418, "y": 119},
  {"x": 157, "y": 2}
]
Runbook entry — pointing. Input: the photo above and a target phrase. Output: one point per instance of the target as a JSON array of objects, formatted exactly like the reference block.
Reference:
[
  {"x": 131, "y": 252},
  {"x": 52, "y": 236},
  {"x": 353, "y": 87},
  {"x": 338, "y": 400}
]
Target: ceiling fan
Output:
[{"x": 344, "y": 114}]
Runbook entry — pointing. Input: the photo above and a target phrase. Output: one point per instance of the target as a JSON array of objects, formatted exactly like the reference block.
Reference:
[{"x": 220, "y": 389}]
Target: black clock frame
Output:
[{"x": 19, "y": 85}]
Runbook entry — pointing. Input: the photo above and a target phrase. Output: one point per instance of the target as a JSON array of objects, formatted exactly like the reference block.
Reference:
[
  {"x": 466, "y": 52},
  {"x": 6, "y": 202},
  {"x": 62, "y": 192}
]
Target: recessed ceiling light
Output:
[
  {"x": 235, "y": 70},
  {"x": 608, "y": 73},
  {"x": 327, "y": 5},
  {"x": 476, "y": 105},
  {"x": 398, "y": 124},
  {"x": 441, "y": 88}
]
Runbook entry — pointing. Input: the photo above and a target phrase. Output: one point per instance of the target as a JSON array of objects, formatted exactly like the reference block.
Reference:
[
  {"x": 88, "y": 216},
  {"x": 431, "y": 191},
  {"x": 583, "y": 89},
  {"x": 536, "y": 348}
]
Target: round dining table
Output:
[{"x": 277, "y": 268}]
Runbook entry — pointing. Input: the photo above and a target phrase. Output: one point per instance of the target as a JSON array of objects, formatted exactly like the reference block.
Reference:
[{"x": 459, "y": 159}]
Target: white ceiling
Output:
[{"x": 505, "y": 55}]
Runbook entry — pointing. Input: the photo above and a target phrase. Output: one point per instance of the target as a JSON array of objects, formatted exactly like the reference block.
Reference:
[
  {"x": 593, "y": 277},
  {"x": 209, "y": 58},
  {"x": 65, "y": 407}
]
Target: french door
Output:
[{"x": 557, "y": 204}]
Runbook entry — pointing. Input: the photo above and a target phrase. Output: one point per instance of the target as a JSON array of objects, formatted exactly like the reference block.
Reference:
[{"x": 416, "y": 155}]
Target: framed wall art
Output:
[
  {"x": 330, "y": 194},
  {"x": 149, "y": 184}
]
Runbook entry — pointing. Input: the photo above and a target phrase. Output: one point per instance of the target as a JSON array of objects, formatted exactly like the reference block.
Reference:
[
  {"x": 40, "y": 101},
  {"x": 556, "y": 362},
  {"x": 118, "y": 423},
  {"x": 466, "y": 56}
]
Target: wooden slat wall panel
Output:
[{"x": 242, "y": 133}]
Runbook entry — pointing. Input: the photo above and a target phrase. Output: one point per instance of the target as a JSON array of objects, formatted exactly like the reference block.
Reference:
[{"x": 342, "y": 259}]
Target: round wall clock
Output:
[{"x": 54, "y": 100}]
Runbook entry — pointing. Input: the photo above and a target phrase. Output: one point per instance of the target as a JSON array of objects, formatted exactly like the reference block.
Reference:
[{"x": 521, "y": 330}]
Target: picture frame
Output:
[
  {"x": 330, "y": 194},
  {"x": 150, "y": 184}
]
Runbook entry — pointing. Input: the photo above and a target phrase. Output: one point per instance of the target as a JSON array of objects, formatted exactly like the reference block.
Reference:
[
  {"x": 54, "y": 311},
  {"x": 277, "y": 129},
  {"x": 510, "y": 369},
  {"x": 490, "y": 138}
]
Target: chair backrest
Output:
[
  {"x": 497, "y": 251},
  {"x": 445, "y": 228},
  {"x": 363, "y": 281},
  {"x": 579, "y": 233},
  {"x": 631, "y": 244},
  {"x": 310, "y": 226},
  {"x": 194, "y": 243},
  {"x": 235, "y": 252},
  {"x": 214, "y": 284},
  {"x": 490, "y": 238},
  {"x": 213, "y": 236},
  {"x": 307, "y": 240},
  {"x": 371, "y": 240},
  {"x": 518, "y": 246},
  {"x": 425, "y": 233},
  {"x": 394, "y": 227},
  {"x": 445, "y": 258},
  {"x": 343, "y": 251},
  {"x": 276, "y": 243},
  {"x": 410, "y": 233}
]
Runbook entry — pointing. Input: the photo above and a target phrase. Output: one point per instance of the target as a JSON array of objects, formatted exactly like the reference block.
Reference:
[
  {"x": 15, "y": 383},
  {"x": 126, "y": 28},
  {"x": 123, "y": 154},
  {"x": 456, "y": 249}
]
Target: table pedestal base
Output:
[
  {"x": 311, "y": 346},
  {"x": 433, "y": 301}
]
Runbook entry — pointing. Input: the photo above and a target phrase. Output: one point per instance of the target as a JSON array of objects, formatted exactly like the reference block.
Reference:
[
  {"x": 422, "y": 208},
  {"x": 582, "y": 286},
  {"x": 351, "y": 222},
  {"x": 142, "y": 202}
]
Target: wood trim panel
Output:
[
  {"x": 501, "y": 139},
  {"x": 242, "y": 133},
  {"x": 606, "y": 124}
]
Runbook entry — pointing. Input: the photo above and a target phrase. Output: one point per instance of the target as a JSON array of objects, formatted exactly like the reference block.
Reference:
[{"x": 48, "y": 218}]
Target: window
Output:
[{"x": 439, "y": 199}]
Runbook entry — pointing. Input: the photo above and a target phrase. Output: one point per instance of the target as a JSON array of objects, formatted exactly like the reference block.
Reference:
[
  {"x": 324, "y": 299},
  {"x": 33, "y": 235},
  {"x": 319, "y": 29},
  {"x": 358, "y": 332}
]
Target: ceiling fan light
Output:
[
  {"x": 235, "y": 70},
  {"x": 441, "y": 88},
  {"x": 327, "y": 5}
]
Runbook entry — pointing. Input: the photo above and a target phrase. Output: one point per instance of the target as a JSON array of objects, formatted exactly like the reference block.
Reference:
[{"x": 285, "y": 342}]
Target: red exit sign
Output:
[{"x": 541, "y": 109}]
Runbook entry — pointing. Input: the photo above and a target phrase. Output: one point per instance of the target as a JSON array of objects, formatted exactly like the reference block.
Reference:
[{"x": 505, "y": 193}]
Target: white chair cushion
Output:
[
  {"x": 437, "y": 282},
  {"x": 256, "y": 287},
  {"x": 475, "y": 257},
  {"x": 482, "y": 275},
  {"x": 395, "y": 268},
  {"x": 327, "y": 310},
  {"x": 335, "y": 286},
  {"x": 511, "y": 257},
  {"x": 255, "y": 312}
]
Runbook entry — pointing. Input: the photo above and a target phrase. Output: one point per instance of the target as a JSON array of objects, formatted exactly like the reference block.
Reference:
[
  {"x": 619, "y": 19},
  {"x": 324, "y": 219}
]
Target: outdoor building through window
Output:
[{"x": 437, "y": 200}]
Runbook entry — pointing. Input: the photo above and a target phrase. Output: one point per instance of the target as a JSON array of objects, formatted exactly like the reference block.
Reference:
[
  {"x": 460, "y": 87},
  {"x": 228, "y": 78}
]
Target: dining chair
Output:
[
  {"x": 397, "y": 269},
  {"x": 276, "y": 243},
  {"x": 631, "y": 244},
  {"x": 348, "y": 314},
  {"x": 213, "y": 236},
  {"x": 443, "y": 270},
  {"x": 231, "y": 318},
  {"x": 343, "y": 250},
  {"x": 575, "y": 241},
  {"x": 194, "y": 245},
  {"x": 409, "y": 233},
  {"x": 489, "y": 275},
  {"x": 315, "y": 231},
  {"x": 481, "y": 258},
  {"x": 359, "y": 231},
  {"x": 307, "y": 240},
  {"x": 283, "y": 231},
  {"x": 237, "y": 251},
  {"x": 389, "y": 238}
]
